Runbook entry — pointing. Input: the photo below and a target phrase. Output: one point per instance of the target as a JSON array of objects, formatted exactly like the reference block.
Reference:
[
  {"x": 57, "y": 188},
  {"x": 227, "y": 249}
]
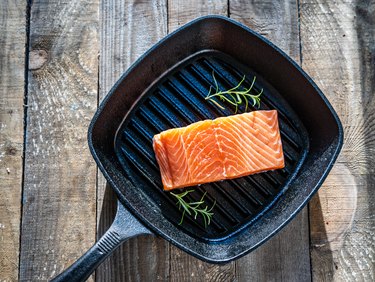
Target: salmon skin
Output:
[{"x": 223, "y": 148}]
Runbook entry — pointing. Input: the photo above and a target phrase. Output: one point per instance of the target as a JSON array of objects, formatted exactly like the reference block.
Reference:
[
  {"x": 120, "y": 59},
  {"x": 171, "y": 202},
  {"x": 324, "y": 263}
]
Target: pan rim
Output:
[{"x": 128, "y": 205}]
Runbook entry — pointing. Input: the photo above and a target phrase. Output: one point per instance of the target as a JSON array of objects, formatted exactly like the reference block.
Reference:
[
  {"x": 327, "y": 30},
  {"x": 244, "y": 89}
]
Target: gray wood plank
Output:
[
  {"x": 180, "y": 11},
  {"x": 184, "y": 267},
  {"x": 12, "y": 78},
  {"x": 276, "y": 20},
  {"x": 143, "y": 258},
  {"x": 59, "y": 198},
  {"x": 128, "y": 29},
  {"x": 338, "y": 44},
  {"x": 286, "y": 256}
]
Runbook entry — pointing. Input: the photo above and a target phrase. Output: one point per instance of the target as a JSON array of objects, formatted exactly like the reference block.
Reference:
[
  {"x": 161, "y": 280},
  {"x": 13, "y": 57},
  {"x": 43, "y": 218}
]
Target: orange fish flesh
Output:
[{"x": 219, "y": 149}]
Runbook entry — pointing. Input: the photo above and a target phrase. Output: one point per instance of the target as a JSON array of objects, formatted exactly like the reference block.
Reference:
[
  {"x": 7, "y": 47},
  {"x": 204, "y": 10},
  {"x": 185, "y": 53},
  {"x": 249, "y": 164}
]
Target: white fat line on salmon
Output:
[
  {"x": 216, "y": 126},
  {"x": 186, "y": 157}
]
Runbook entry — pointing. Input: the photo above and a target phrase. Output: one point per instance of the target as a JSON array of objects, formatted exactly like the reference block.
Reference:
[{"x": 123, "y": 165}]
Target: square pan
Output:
[{"x": 216, "y": 38}]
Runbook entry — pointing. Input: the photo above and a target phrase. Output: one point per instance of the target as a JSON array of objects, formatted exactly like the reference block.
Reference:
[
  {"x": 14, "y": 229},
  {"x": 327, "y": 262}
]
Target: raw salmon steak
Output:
[{"x": 224, "y": 148}]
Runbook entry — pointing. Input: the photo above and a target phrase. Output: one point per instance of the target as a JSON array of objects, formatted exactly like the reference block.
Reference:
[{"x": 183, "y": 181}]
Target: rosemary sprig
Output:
[
  {"x": 234, "y": 96},
  {"x": 194, "y": 207}
]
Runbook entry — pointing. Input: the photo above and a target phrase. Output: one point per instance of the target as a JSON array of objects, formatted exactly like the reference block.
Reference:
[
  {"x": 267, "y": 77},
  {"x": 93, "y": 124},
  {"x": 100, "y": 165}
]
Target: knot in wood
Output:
[
  {"x": 11, "y": 151},
  {"x": 37, "y": 59}
]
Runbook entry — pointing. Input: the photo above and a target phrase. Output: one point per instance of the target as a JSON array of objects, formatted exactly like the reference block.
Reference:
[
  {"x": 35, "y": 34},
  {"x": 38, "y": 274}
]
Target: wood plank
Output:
[
  {"x": 338, "y": 43},
  {"x": 180, "y": 11},
  {"x": 140, "y": 259},
  {"x": 275, "y": 20},
  {"x": 128, "y": 29},
  {"x": 184, "y": 267},
  {"x": 12, "y": 78},
  {"x": 59, "y": 198},
  {"x": 286, "y": 256},
  {"x": 187, "y": 268}
]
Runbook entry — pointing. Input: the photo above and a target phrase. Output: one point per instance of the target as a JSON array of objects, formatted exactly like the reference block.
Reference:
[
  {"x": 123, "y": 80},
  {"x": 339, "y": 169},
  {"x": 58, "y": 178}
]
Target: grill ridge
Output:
[
  {"x": 244, "y": 210},
  {"x": 178, "y": 100},
  {"x": 107, "y": 242}
]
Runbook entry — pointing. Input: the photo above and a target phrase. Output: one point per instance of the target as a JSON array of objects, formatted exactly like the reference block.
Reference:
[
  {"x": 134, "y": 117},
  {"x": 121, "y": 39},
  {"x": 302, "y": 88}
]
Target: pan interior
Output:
[{"x": 177, "y": 99}]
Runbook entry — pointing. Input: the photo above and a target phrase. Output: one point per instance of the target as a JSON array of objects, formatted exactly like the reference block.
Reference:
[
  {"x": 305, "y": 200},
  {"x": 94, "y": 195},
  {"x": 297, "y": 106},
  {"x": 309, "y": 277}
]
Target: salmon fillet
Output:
[{"x": 224, "y": 148}]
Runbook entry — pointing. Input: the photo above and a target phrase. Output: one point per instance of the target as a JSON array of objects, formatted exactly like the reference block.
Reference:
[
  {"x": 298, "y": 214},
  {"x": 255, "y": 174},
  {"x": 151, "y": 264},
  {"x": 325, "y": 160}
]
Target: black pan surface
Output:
[
  {"x": 178, "y": 99},
  {"x": 166, "y": 88}
]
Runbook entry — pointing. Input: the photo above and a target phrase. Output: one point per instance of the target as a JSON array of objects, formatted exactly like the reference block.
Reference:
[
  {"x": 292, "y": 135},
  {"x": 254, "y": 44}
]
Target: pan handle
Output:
[{"x": 124, "y": 226}]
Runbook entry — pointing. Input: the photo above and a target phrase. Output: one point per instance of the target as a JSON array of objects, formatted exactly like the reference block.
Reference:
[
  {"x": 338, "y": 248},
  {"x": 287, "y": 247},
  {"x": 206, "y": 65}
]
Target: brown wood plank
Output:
[
  {"x": 128, "y": 29},
  {"x": 59, "y": 198},
  {"x": 286, "y": 256},
  {"x": 12, "y": 78},
  {"x": 338, "y": 44},
  {"x": 184, "y": 267}
]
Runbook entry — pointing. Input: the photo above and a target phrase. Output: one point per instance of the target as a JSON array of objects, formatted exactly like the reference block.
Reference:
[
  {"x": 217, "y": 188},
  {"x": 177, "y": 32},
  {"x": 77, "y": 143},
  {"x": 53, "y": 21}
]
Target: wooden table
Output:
[{"x": 58, "y": 59}]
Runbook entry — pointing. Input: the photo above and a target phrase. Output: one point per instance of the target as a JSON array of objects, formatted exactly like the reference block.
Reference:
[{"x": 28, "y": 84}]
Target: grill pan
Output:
[{"x": 166, "y": 88}]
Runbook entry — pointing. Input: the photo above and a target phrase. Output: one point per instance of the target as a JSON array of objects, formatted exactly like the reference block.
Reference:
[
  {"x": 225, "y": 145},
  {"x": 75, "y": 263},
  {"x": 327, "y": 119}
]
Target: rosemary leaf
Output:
[
  {"x": 194, "y": 208},
  {"x": 234, "y": 96}
]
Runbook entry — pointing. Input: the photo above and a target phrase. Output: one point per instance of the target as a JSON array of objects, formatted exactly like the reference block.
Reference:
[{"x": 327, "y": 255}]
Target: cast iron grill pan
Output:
[
  {"x": 177, "y": 100},
  {"x": 165, "y": 88}
]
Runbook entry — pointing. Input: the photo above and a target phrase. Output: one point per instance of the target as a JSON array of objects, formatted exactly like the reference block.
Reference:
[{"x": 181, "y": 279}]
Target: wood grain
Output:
[
  {"x": 184, "y": 267},
  {"x": 59, "y": 198},
  {"x": 60, "y": 178},
  {"x": 12, "y": 79},
  {"x": 187, "y": 268},
  {"x": 276, "y": 20},
  {"x": 338, "y": 40},
  {"x": 181, "y": 11},
  {"x": 286, "y": 256},
  {"x": 128, "y": 29},
  {"x": 140, "y": 259}
]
